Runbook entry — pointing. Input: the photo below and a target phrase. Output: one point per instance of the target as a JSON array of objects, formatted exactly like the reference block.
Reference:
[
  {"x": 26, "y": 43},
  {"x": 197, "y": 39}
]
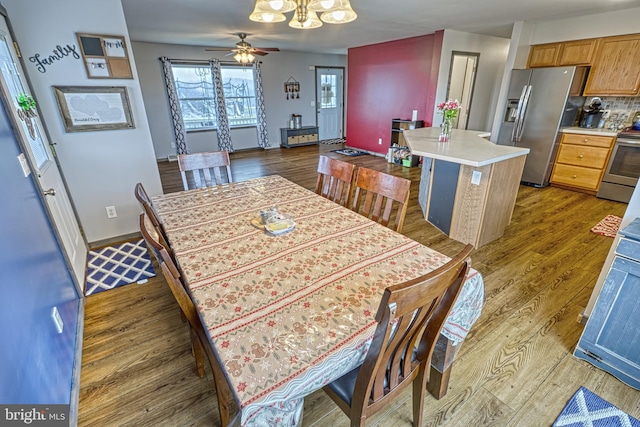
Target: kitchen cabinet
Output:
[
  {"x": 581, "y": 161},
  {"x": 575, "y": 52},
  {"x": 544, "y": 55},
  {"x": 611, "y": 338},
  {"x": 306, "y": 135},
  {"x": 616, "y": 67},
  {"x": 398, "y": 126}
]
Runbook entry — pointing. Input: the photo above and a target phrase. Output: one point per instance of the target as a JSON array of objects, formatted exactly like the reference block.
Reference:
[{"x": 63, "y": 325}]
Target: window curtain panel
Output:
[
  {"x": 174, "y": 105},
  {"x": 224, "y": 132},
  {"x": 263, "y": 135}
]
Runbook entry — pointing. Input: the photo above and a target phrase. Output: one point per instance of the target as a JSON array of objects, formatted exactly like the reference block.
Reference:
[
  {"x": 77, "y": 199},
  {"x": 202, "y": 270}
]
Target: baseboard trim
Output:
[
  {"x": 74, "y": 402},
  {"x": 373, "y": 153}
]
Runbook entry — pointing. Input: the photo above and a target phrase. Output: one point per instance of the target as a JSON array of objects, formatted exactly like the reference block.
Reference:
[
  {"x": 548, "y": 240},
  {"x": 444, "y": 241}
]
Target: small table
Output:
[
  {"x": 288, "y": 314},
  {"x": 306, "y": 135}
]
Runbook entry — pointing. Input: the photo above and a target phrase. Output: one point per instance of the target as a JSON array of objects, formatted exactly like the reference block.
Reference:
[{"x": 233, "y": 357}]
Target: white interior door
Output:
[
  {"x": 329, "y": 102},
  {"x": 41, "y": 160},
  {"x": 461, "y": 81}
]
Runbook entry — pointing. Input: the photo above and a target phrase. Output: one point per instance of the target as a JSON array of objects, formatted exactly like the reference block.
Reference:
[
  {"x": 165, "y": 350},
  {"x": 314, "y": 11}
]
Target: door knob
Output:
[{"x": 49, "y": 192}]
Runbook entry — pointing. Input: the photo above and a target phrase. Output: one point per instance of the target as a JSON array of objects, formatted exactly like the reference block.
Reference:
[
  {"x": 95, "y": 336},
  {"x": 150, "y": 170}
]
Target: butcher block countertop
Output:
[{"x": 466, "y": 147}]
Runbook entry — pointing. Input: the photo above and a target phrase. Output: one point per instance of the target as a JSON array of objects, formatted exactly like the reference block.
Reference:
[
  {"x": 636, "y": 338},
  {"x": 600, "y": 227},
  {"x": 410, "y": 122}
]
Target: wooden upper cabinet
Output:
[
  {"x": 577, "y": 52},
  {"x": 544, "y": 55},
  {"x": 616, "y": 67}
]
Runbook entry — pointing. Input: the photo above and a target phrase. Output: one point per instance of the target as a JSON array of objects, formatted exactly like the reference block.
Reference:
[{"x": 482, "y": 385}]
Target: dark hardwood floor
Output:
[{"x": 516, "y": 368}]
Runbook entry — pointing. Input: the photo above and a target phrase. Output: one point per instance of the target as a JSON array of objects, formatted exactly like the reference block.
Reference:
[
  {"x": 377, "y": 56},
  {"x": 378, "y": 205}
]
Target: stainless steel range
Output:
[{"x": 623, "y": 169}]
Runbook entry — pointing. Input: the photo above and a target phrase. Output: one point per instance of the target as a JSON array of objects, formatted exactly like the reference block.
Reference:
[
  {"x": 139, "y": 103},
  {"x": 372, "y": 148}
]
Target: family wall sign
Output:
[{"x": 59, "y": 53}]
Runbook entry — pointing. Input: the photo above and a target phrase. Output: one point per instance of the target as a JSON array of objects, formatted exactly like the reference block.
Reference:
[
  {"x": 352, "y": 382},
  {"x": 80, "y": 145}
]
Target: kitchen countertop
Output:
[
  {"x": 590, "y": 131},
  {"x": 466, "y": 147}
]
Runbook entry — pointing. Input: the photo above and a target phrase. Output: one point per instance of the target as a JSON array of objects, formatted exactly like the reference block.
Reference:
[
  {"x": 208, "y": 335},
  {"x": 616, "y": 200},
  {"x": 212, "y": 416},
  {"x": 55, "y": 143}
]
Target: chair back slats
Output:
[
  {"x": 410, "y": 317},
  {"x": 334, "y": 179},
  {"x": 200, "y": 167},
  {"x": 376, "y": 194}
]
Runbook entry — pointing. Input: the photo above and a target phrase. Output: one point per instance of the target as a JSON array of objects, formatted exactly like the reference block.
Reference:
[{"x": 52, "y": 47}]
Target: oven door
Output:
[{"x": 624, "y": 163}]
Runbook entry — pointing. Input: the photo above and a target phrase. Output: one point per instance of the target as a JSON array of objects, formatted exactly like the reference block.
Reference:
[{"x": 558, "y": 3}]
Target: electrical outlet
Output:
[
  {"x": 111, "y": 212},
  {"x": 173, "y": 144},
  {"x": 475, "y": 177},
  {"x": 57, "y": 320},
  {"x": 379, "y": 141}
]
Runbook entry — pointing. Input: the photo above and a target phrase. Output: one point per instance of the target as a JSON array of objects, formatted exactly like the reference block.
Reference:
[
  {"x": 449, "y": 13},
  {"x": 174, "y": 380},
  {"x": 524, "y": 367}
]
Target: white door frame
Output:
[
  {"x": 341, "y": 98},
  {"x": 463, "y": 81}
]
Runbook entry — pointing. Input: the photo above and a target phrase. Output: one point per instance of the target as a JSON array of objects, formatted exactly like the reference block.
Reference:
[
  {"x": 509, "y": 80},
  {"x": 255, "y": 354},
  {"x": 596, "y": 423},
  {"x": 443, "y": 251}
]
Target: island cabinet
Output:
[
  {"x": 468, "y": 186},
  {"x": 581, "y": 161},
  {"x": 611, "y": 337},
  {"x": 306, "y": 135},
  {"x": 616, "y": 67}
]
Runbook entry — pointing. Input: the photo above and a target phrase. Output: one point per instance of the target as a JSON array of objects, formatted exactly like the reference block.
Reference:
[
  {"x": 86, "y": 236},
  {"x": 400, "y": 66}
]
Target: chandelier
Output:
[{"x": 306, "y": 12}]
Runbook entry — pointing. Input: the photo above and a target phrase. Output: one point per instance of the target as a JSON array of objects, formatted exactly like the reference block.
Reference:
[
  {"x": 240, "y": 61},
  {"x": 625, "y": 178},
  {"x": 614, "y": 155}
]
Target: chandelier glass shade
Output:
[
  {"x": 244, "y": 57},
  {"x": 306, "y": 12}
]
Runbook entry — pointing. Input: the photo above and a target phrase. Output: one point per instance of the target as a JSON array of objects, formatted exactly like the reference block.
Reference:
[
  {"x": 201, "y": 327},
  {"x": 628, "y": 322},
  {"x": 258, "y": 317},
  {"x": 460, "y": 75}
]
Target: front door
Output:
[
  {"x": 329, "y": 102},
  {"x": 40, "y": 158}
]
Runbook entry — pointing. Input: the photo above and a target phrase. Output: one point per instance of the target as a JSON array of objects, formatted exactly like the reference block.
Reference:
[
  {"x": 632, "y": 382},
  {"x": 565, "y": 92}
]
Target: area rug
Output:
[
  {"x": 333, "y": 141},
  {"x": 118, "y": 265},
  {"x": 608, "y": 226},
  {"x": 587, "y": 409},
  {"x": 349, "y": 152}
]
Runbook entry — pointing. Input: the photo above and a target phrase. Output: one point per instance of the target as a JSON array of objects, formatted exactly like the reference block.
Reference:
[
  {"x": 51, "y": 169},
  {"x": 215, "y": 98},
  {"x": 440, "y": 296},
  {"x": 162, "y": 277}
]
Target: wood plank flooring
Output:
[{"x": 516, "y": 368}]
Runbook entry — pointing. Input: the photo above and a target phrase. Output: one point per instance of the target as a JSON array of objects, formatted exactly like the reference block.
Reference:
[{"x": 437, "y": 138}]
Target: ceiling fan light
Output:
[
  {"x": 311, "y": 22},
  {"x": 267, "y": 17},
  {"x": 250, "y": 57},
  {"x": 340, "y": 16},
  {"x": 275, "y": 6},
  {"x": 237, "y": 57}
]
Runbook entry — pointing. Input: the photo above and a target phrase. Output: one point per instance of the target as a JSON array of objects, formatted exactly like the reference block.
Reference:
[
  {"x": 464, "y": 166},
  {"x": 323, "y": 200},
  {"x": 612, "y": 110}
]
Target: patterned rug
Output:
[
  {"x": 118, "y": 265},
  {"x": 333, "y": 141},
  {"x": 608, "y": 226},
  {"x": 349, "y": 152},
  {"x": 587, "y": 409}
]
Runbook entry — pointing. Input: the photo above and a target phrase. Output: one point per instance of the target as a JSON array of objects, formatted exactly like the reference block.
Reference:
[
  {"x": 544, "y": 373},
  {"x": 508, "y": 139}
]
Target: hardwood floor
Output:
[{"x": 516, "y": 368}]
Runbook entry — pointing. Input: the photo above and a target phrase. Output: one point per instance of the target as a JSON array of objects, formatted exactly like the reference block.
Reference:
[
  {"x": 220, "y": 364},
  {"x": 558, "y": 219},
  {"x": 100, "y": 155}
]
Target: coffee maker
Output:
[{"x": 591, "y": 115}]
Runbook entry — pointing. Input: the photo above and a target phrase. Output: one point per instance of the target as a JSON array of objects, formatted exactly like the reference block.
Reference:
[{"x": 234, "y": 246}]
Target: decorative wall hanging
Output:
[
  {"x": 292, "y": 88},
  {"x": 60, "y": 52},
  {"x": 27, "y": 111},
  {"x": 91, "y": 108},
  {"x": 105, "y": 57}
]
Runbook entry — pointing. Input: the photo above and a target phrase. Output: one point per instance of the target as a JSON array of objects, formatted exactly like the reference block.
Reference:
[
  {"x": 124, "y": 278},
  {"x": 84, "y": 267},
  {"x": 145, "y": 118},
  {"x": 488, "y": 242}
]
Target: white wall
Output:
[
  {"x": 101, "y": 168},
  {"x": 277, "y": 67},
  {"x": 493, "y": 55}
]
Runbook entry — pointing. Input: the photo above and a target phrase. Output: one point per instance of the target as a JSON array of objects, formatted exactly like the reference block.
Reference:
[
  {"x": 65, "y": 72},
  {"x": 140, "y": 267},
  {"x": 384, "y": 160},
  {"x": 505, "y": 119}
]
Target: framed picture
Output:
[
  {"x": 105, "y": 57},
  {"x": 93, "y": 108}
]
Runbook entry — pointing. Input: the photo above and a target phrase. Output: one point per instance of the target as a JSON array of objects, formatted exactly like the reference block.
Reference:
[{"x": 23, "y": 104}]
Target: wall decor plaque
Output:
[
  {"x": 105, "y": 57},
  {"x": 93, "y": 108}
]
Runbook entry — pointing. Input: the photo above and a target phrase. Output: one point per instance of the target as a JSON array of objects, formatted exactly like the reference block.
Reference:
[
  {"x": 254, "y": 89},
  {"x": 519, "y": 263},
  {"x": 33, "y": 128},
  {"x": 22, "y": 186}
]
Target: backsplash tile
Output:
[{"x": 623, "y": 109}]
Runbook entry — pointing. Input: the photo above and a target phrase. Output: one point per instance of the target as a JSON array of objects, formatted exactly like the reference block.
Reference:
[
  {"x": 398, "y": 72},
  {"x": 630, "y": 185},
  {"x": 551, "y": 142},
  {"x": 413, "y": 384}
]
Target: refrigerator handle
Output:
[
  {"x": 523, "y": 112},
  {"x": 516, "y": 123}
]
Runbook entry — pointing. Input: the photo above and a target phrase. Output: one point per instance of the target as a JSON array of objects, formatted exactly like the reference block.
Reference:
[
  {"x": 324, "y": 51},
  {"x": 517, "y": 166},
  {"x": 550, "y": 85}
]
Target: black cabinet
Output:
[
  {"x": 306, "y": 135},
  {"x": 398, "y": 126},
  {"x": 611, "y": 338}
]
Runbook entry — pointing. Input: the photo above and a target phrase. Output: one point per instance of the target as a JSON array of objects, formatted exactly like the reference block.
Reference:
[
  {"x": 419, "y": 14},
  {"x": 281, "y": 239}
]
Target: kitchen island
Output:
[{"x": 468, "y": 186}]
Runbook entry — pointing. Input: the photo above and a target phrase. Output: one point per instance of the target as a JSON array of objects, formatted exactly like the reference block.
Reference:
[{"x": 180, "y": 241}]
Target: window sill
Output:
[{"x": 216, "y": 129}]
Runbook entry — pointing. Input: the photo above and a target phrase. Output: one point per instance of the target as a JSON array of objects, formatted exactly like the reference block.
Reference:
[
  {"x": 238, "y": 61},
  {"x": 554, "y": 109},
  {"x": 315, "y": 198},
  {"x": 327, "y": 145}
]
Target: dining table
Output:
[{"x": 288, "y": 313}]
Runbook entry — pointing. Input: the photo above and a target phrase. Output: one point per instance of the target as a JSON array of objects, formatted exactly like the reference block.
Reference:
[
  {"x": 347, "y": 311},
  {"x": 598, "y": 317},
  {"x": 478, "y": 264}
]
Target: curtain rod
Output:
[{"x": 202, "y": 61}]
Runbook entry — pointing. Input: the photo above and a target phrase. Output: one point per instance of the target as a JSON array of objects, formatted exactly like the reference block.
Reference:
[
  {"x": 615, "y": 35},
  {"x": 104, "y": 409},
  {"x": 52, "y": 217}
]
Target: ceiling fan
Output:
[{"x": 244, "y": 52}]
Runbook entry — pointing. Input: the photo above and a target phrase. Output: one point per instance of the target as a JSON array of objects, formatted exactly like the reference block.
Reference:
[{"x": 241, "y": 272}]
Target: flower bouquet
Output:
[{"x": 449, "y": 111}]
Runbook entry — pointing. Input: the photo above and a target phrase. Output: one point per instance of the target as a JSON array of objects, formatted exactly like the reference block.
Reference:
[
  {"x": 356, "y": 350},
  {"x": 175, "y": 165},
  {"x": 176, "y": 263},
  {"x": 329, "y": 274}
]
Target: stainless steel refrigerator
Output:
[{"x": 539, "y": 102}]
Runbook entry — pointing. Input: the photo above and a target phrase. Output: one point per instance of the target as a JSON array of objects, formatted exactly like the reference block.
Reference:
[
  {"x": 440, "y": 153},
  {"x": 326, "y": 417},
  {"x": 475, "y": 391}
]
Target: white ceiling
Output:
[{"x": 216, "y": 22}]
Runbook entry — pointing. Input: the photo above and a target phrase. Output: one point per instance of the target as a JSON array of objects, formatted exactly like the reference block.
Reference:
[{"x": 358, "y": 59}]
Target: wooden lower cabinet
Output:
[
  {"x": 611, "y": 338},
  {"x": 581, "y": 162},
  {"x": 306, "y": 135}
]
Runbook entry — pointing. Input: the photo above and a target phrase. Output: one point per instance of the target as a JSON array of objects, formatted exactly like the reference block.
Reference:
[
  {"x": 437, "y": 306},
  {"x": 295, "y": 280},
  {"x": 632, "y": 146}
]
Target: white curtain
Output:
[
  {"x": 263, "y": 135},
  {"x": 224, "y": 132},
  {"x": 174, "y": 105}
]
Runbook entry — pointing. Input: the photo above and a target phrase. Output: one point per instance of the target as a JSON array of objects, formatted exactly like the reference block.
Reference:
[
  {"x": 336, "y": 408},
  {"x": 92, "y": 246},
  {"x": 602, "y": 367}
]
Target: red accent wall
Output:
[{"x": 387, "y": 81}]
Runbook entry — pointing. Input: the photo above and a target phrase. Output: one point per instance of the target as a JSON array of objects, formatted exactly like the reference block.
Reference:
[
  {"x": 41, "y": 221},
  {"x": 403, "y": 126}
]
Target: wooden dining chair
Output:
[
  {"x": 200, "y": 341},
  {"x": 200, "y": 166},
  {"x": 410, "y": 318},
  {"x": 334, "y": 179},
  {"x": 376, "y": 191}
]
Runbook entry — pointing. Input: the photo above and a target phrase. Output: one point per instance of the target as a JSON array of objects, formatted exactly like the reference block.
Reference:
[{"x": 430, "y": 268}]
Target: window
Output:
[{"x": 194, "y": 87}]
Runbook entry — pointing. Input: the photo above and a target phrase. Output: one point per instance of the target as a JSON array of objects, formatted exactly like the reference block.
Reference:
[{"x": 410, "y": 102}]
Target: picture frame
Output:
[
  {"x": 94, "y": 108},
  {"x": 104, "y": 56}
]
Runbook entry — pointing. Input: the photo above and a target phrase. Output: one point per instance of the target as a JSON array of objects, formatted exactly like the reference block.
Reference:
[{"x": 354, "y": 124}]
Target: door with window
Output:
[
  {"x": 40, "y": 156},
  {"x": 329, "y": 102}
]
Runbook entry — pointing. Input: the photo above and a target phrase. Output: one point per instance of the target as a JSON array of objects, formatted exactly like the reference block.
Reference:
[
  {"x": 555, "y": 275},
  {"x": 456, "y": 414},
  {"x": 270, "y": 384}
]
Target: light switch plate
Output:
[
  {"x": 475, "y": 177},
  {"x": 57, "y": 319},
  {"x": 24, "y": 165}
]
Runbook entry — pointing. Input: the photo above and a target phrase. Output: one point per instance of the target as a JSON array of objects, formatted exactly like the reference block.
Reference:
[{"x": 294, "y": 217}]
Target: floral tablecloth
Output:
[{"x": 288, "y": 314}]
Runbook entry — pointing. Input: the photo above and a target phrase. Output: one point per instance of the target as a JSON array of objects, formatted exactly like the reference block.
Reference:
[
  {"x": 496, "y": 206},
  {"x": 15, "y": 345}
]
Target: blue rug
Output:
[
  {"x": 588, "y": 409},
  {"x": 118, "y": 265}
]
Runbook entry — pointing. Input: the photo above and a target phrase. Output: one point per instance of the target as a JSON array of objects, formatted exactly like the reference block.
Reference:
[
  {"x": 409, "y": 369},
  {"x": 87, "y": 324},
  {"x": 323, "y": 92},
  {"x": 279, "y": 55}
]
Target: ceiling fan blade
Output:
[
  {"x": 217, "y": 49},
  {"x": 260, "y": 53},
  {"x": 268, "y": 49}
]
